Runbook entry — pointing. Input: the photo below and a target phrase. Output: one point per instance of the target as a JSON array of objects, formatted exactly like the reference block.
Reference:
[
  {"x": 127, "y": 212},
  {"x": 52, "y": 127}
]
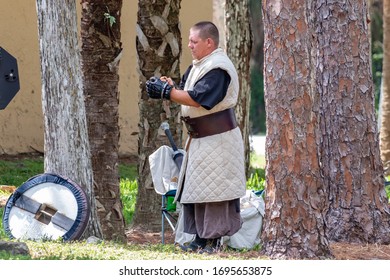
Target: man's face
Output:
[{"x": 199, "y": 47}]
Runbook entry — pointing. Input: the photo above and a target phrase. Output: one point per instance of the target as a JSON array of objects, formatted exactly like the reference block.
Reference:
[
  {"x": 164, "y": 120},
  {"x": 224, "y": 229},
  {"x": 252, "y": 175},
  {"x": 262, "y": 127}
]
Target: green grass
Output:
[
  {"x": 128, "y": 171},
  {"x": 106, "y": 250},
  {"x": 15, "y": 173}
]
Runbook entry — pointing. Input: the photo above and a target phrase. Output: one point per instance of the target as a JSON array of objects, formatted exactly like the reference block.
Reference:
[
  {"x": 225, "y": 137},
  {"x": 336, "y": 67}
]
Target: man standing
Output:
[{"x": 212, "y": 177}]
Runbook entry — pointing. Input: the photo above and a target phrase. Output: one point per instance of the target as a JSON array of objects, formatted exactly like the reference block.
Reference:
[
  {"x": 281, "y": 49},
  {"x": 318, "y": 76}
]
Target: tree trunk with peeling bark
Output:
[
  {"x": 158, "y": 46},
  {"x": 294, "y": 225},
  {"x": 66, "y": 144},
  {"x": 239, "y": 47},
  {"x": 324, "y": 173},
  {"x": 101, "y": 53},
  {"x": 349, "y": 151}
]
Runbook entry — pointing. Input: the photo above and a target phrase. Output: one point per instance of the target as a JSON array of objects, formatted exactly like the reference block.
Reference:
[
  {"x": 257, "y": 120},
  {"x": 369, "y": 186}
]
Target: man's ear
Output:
[{"x": 210, "y": 42}]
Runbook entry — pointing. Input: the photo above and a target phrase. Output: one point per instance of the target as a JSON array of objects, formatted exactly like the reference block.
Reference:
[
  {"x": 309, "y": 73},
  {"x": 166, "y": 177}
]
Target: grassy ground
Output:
[
  {"x": 80, "y": 250},
  {"x": 15, "y": 172}
]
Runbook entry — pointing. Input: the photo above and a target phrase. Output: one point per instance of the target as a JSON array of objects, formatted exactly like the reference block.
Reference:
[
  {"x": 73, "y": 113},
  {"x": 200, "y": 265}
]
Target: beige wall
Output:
[{"x": 21, "y": 123}]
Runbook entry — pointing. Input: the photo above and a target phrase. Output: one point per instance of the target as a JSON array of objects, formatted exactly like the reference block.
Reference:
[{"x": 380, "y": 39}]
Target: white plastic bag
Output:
[{"x": 252, "y": 213}]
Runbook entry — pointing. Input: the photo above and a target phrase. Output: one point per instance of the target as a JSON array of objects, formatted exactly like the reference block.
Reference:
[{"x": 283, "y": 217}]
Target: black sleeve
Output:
[{"x": 211, "y": 88}]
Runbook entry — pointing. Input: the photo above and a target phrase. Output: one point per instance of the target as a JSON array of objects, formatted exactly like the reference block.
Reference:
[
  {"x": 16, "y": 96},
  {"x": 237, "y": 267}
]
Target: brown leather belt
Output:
[{"x": 211, "y": 124}]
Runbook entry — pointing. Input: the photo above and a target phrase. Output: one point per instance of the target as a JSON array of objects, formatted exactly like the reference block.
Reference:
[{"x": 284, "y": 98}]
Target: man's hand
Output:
[{"x": 158, "y": 89}]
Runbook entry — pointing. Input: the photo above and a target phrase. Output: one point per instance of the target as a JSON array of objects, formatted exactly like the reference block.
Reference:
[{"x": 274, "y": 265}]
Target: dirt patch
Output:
[
  {"x": 341, "y": 251},
  {"x": 5, "y": 189},
  {"x": 141, "y": 236},
  {"x": 346, "y": 251}
]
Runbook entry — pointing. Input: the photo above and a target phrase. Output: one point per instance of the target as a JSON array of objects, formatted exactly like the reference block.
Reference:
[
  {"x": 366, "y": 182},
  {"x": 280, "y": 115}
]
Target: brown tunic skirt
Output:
[{"x": 213, "y": 219}]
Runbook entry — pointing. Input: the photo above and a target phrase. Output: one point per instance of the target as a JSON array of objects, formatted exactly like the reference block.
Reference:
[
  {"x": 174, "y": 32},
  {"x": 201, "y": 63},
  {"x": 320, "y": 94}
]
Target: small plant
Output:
[
  {"x": 128, "y": 190},
  {"x": 108, "y": 17},
  {"x": 256, "y": 180}
]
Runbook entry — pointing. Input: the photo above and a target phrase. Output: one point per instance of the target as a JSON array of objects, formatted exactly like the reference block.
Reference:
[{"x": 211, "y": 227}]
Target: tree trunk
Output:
[
  {"x": 257, "y": 105},
  {"x": 293, "y": 224},
  {"x": 159, "y": 48},
  {"x": 324, "y": 173},
  {"x": 238, "y": 48},
  {"x": 257, "y": 27},
  {"x": 66, "y": 144},
  {"x": 101, "y": 53},
  {"x": 349, "y": 147},
  {"x": 385, "y": 93},
  {"x": 219, "y": 19}
]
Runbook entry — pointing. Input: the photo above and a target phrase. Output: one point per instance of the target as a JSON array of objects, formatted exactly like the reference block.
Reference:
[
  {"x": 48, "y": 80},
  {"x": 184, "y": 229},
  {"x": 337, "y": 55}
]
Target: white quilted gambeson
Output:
[
  {"x": 215, "y": 171},
  {"x": 213, "y": 168}
]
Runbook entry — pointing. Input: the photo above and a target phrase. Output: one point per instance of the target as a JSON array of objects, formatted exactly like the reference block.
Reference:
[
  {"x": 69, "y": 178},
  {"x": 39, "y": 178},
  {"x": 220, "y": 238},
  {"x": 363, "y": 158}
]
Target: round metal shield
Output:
[{"x": 46, "y": 206}]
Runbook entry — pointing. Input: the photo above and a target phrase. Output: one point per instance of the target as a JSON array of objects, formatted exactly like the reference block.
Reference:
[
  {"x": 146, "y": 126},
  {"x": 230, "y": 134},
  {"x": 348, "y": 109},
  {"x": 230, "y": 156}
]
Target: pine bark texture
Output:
[
  {"x": 158, "y": 46},
  {"x": 324, "y": 173},
  {"x": 294, "y": 226},
  {"x": 239, "y": 47},
  {"x": 66, "y": 144},
  {"x": 385, "y": 110},
  {"x": 101, "y": 52},
  {"x": 349, "y": 142}
]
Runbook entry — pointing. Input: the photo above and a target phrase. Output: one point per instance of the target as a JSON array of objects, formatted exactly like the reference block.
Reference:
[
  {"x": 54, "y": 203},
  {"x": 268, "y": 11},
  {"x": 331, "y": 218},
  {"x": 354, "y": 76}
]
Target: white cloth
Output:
[
  {"x": 164, "y": 170},
  {"x": 252, "y": 213},
  {"x": 165, "y": 174}
]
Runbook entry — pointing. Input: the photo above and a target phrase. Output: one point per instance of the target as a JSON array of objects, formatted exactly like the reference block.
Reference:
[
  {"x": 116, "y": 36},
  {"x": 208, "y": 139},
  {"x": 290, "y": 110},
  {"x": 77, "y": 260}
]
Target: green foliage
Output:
[
  {"x": 256, "y": 180},
  {"x": 128, "y": 190}
]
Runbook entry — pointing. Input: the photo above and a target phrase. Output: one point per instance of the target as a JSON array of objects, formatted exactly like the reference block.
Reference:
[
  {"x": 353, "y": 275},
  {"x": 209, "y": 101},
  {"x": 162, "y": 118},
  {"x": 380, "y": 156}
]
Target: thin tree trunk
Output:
[
  {"x": 238, "y": 48},
  {"x": 66, "y": 144},
  {"x": 385, "y": 93}
]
